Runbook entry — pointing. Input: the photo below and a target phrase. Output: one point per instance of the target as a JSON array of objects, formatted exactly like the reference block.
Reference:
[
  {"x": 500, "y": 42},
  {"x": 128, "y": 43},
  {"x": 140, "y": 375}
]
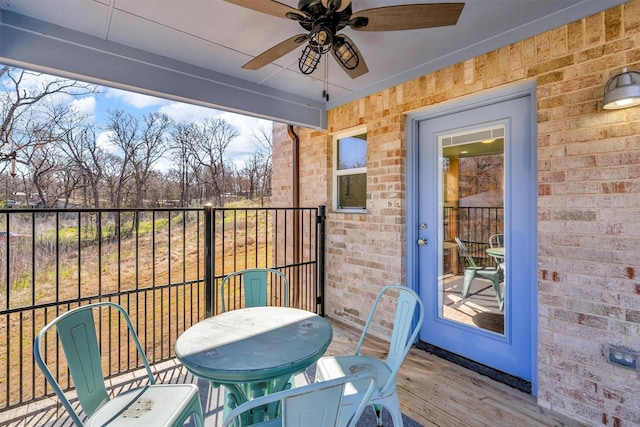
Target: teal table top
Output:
[
  {"x": 497, "y": 252},
  {"x": 253, "y": 344}
]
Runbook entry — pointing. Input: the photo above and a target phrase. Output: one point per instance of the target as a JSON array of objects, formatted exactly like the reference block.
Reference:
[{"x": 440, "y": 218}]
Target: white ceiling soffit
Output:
[{"x": 193, "y": 50}]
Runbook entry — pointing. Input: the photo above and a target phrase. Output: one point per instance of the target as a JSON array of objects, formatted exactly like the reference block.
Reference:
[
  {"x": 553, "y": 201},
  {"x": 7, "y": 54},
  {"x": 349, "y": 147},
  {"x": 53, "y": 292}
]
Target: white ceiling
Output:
[{"x": 193, "y": 50}]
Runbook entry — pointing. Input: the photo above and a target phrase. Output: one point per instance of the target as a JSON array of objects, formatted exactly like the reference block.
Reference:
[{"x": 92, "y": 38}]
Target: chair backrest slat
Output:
[
  {"x": 407, "y": 322},
  {"x": 464, "y": 253},
  {"x": 318, "y": 408},
  {"x": 313, "y": 405},
  {"x": 255, "y": 286},
  {"x": 402, "y": 330},
  {"x": 77, "y": 334}
]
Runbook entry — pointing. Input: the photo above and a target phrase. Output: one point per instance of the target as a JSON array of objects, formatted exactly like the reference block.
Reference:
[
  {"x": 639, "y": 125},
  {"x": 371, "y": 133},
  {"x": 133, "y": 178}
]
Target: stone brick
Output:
[{"x": 588, "y": 175}]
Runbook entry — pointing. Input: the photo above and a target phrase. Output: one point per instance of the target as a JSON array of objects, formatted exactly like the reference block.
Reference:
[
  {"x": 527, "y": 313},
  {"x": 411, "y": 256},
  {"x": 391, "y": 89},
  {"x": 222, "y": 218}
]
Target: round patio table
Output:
[
  {"x": 496, "y": 252},
  {"x": 253, "y": 351}
]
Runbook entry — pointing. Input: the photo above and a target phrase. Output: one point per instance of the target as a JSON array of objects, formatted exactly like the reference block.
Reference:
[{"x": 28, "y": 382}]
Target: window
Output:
[{"x": 350, "y": 173}]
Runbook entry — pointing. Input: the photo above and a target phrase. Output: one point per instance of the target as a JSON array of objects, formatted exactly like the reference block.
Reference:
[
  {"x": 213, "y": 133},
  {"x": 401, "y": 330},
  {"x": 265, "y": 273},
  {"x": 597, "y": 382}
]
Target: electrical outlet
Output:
[{"x": 622, "y": 356}]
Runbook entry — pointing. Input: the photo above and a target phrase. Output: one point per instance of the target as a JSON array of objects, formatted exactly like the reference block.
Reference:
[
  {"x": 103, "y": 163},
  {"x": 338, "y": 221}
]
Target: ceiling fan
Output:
[{"x": 323, "y": 19}]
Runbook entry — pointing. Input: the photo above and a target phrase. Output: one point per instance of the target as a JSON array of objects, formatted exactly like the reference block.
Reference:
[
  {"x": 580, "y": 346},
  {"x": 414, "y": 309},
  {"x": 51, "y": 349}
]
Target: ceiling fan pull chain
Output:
[{"x": 325, "y": 92}]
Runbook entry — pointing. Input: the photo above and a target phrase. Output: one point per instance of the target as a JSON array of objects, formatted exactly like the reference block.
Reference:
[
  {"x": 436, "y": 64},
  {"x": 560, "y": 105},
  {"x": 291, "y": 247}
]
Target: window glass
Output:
[
  {"x": 353, "y": 191},
  {"x": 351, "y": 172},
  {"x": 352, "y": 152}
]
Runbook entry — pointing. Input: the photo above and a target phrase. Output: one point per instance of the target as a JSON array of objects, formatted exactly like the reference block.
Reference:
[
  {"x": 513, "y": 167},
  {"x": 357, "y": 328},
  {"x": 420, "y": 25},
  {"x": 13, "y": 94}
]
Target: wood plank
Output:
[
  {"x": 436, "y": 392},
  {"x": 432, "y": 391}
]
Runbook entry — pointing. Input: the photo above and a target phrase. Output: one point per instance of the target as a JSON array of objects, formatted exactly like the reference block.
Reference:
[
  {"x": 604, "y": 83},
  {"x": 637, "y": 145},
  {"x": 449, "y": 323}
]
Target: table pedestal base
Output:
[{"x": 237, "y": 394}]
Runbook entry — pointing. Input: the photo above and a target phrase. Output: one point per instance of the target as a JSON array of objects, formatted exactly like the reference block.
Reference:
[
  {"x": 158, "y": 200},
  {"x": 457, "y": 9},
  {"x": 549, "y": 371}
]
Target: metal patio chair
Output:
[
  {"x": 255, "y": 283},
  {"x": 313, "y": 405},
  {"x": 150, "y": 405},
  {"x": 471, "y": 270},
  {"x": 408, "y": 319}
]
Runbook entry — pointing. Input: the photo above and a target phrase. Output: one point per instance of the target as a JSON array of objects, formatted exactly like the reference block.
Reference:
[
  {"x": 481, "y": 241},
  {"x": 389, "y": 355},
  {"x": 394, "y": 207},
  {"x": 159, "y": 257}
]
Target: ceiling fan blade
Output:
[
  {"x": 360, "y": 69},
  {"x": 275, "y": 52},
  {"x": 270, "y": 7},
  {"x": 408, "y": 17}
]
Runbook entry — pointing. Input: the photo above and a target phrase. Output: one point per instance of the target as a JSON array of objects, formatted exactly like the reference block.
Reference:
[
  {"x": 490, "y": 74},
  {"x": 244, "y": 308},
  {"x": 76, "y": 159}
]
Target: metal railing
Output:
[
  {"x": 164, "y": 266},
  {"x": 474, "y": 225}
]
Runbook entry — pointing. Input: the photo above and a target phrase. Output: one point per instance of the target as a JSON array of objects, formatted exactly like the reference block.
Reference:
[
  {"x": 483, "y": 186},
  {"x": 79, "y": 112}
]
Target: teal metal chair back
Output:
[
  {"x": 496, "y": 241},
  {"x": 77, "y": 334},
  {"x": 405, "y": 329},
  {"x": 255, "y": 286},
  {"x": 409, "y": 316},
  {"x": 313, "y": 405}
]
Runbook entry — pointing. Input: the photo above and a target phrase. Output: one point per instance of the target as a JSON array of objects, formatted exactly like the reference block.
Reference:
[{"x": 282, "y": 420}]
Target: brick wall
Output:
[{"x": 588, "y": 204}]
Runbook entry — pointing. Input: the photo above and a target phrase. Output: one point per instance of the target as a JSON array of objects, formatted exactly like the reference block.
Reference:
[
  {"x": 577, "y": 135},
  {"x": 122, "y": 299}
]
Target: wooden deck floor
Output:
[{"x": 433, "y": 392}]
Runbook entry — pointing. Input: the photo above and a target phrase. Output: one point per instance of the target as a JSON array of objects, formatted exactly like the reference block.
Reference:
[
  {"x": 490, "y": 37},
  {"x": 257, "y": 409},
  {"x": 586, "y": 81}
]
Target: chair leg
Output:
[
  {"x": 392, "y": 405},
  {"x": 469, "y": 274},
  {"x": 496, "y": 289},
  {"x": 396, "y": 416},
  {"x": 377, "y": 409}
]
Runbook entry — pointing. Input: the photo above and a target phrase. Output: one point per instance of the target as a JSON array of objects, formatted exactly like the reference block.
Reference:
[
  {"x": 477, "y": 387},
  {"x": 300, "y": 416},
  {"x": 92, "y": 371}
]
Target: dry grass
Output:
[{"x": 153, "y": 263}]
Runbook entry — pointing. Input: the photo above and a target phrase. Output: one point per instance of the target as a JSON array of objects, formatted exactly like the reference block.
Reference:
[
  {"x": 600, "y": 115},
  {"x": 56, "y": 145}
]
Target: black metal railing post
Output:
[
  {"x": 320, "y": 233},
  {"x": 209, "y": 293}
]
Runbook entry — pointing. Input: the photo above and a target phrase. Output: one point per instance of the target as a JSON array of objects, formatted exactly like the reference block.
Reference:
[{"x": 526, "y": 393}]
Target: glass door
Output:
[
  {"x": 473, "y": 269},
  {"x": 476, "y": 214}
]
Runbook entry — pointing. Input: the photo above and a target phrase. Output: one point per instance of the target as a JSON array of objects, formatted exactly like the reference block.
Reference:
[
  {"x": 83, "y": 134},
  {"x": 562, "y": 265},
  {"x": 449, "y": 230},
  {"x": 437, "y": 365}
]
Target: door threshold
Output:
[{"x": 494, "y": 374}]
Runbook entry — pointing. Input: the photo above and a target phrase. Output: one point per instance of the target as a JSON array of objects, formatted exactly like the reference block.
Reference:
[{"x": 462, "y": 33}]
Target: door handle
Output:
[{"x": 422, "y": 242}]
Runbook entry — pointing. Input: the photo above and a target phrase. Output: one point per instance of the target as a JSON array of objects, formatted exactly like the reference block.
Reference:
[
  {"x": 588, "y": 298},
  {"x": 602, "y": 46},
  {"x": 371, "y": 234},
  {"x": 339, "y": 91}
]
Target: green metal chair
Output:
[
  {"x": 313, "y": 405},
  {"x": 408, "y": 319},
  {"x": 150, "y": 405},
  {"x": 471, "y": 270},
  {"x": 255, "y": 283}
]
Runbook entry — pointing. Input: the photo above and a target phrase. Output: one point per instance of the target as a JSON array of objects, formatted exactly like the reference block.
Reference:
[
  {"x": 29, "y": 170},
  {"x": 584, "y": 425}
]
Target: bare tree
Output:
[
  {"x": 41, "y": 160},
  {"x": 186, "y": 167},
  {"x": 23, "y": 92},
  {"x": 141, "y": 146},
  {"x": 124, "y": 135},
  {"x": 149, "y": 150},
  {"x": 209, "y": 149},
  {"x": 79, "y": 143},
  {"x": 112, "y": 179},
  {"x": 257, "y": 170}
]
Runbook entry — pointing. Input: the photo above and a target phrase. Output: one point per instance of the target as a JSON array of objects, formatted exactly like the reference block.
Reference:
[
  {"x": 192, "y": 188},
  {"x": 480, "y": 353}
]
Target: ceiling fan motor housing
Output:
[{"x": 320, "y": 15}]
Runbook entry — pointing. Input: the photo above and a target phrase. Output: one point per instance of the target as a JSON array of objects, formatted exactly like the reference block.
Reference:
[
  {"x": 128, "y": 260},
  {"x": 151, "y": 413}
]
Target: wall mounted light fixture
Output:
[{"x": 622, "y": 90}]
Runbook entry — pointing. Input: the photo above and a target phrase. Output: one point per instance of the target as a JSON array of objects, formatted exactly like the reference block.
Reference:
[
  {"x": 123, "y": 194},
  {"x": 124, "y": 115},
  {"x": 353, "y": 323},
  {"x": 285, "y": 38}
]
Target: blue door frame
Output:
[{"x": 516, "y": 351}]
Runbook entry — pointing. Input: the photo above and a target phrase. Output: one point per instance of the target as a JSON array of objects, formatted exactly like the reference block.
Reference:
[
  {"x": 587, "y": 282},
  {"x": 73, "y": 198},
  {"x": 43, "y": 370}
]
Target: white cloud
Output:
[
  {"x": 136, "y": 100},
  {"x": 244, "y": 146},
  {"x": 181, "y": 112},
  {"x": 241, "y": 147},
  {"x": 103, "y": 141},
  {"x": 85, "y": 106}
]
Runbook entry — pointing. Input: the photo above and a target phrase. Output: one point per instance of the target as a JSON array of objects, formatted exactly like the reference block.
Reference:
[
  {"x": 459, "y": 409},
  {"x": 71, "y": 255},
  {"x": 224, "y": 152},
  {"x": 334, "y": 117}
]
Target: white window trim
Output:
[{"x": 338, "y": 173}]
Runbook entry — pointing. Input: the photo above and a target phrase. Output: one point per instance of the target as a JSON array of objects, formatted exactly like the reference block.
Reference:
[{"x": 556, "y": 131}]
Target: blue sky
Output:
[
  {"x": 240, "y": 148},
  {"x": 97, "y": 105}
]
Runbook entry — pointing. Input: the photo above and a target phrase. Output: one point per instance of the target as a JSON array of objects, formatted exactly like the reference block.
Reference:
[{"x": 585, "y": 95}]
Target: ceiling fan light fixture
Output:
[
  {"x": 309, "y": 60},
  {"x": 321, "y": 39},
  {"x": 346, "y": 54}
]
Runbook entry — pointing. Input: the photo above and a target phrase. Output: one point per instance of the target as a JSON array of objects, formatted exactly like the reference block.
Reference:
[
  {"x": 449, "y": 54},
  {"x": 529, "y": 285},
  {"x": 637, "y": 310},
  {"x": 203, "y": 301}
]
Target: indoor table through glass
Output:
[{"x": 253, "y": 351}]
